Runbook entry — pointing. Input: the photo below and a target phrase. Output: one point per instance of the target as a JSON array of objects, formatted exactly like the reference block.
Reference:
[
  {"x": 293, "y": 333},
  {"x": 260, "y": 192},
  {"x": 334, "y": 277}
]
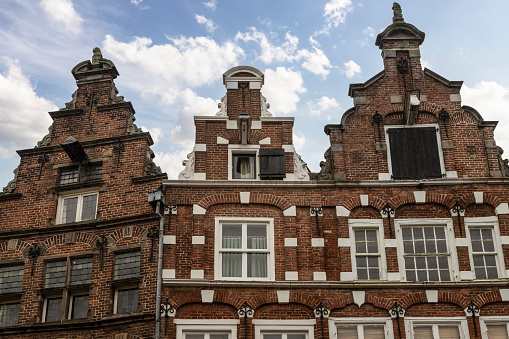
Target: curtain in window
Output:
[
  {"x": 374, "y": 332},
  {"x": 347, "y": 332},
  {"x": 497, "y": 331},
  {"x": 257, "y": 265},
  {"x": 232, "y": 242},
  {"x": 449, "y": 332},
  {"x": 423, "y": 332},
  {"x": 232, "y": 264}
]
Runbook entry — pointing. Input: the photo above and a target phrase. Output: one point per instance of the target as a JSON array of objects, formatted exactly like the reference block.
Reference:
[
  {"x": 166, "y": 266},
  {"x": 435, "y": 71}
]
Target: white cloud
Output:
[
  {"x": 425, "y": 64},
  {"x": 186, "y": 61},
  {"x": 298, "y": 140},
  {"x": 282, "y": 88},
  {"x": 322, "y": 104},
  {"x": 23, "y": 113},
  {"x": 352, "y": 69},
  {"x": 208, "y": 23},
  {"x": 156, "y": 133},
  {"x": 136, "y": 2},
  {"x": 63, "y": 13},
  {"x": 369, "y": 34},
  {"x": 314, "y": 61},
  {"x": 335, "y": 12},
  {"x": 5, "y": 153},
  {"x": 171, "y": 162},
  {"x": 491, "y": 100},
  {"x": 210, "y": 4}
]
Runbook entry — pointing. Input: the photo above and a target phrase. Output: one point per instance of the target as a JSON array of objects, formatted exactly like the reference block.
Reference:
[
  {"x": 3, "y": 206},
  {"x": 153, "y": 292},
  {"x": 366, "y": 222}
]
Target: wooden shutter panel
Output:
[
  {"x": 414, "y": 153},
  {"x": 272, "y": 163}
]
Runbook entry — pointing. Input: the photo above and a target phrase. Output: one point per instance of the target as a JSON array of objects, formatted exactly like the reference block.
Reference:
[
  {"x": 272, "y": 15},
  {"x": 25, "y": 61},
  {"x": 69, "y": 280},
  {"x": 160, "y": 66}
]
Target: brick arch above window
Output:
[
  {"x": 255, "y": 198},
  {"x": 281, "y": 311},
  {"x": 195, "y": 310},
  {"x": 365, "y": 212},
  {"x": 354, "y": 202},
  {"x": 423, "y": 211},
  {"x": 479, "y": 210}
]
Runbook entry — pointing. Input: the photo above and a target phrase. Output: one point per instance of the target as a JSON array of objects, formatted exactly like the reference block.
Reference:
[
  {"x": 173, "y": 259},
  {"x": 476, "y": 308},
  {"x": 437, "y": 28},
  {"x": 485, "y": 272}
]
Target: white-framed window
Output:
[
  {"x": 67, "y": 282},
  {"x": 427, "y": 249},
  {"x": 494, "y": 327},
  {"x": 127, "y": 267},
  {"x": 436, "y": 328},
  {"x": 357, "y": 328},
  {"x": 243, "y": 162},
  {"x": 77, "y": 206},
  {"x": 206, "y": 328},
  {"x": 486, "y": 256},
  {"x": 244, "y": 249},
  {"x": 414, "y": 152},
  {"x": 284, "y": 329},
  {"x": 368, "y": 252}
]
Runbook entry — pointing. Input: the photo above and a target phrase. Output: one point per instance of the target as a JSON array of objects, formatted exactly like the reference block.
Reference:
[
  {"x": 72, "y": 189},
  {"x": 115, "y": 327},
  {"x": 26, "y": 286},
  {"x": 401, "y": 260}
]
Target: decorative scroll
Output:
[
  {"x": 46, "y": 140},
  {"x": 12, "y": 184},
  {"x": 326, "y": 166},
  {"x": 131, "y": 126},
  {"x": 150, "y": 167},
  {"x": 222, "y": 107},
  {"x": 265, "y": 107},
  {"x": 300, "y": 168},
  {"x": 188, "y": 172},
  {"x": 504, "y": 163}
]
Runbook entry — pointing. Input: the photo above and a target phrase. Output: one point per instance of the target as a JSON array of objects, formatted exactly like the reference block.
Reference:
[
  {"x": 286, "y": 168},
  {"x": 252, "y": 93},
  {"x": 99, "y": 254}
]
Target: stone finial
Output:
[
  {"x": 97, "y": 56},
  {"x": 398, "y": 13}
]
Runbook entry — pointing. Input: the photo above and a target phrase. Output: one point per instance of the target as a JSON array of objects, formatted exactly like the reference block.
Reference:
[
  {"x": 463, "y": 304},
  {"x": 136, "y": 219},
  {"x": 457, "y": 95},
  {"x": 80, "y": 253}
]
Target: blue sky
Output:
[{"x": 171, "y": 56}]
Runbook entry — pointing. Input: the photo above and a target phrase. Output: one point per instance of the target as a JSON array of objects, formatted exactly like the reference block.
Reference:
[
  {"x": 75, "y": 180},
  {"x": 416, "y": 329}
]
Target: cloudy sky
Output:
[{"x": 171, "y": 56}]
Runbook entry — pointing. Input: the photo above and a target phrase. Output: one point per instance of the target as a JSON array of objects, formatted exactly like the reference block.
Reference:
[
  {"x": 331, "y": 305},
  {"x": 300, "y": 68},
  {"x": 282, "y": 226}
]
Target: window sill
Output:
[
  {"x": 11, "y": 296},
  {"x": 125, "y": 282}
]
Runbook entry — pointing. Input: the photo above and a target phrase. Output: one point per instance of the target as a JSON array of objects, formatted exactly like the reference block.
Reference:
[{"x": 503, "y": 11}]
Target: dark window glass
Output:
[
  {"x": 69, "y": 175},
  {"x": 414, "y": 153},
  {"x": 79, "y": 308},
  {"x": 55, "y": 274},
  {"x": 87, "y": 172},
  {"x": 127, "y": 265},
  {"x": 11, "y": 278},
  {"x": 127, "y": 300},
  {"x": 9, "y": 314},
  {"x": 53, "y": 309},
  {"x": 81, "y": 271},
  {"x": 92, "y": 171},
  {"x": 244, "y": 166}
]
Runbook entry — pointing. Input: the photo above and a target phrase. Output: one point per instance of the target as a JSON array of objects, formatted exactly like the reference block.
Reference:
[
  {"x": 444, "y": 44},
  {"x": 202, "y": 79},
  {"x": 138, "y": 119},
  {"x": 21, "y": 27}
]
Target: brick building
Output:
[
  {"x": 75, "y": 225},
  {"x": 403, "y": 233}
]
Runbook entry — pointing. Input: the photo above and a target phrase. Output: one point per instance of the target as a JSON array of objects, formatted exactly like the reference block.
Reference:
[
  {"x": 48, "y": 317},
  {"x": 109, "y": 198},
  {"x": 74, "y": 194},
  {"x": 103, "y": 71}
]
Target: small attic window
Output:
[
  {"x": 272, "y": 163},
  {"x": 244, "y": 166}
]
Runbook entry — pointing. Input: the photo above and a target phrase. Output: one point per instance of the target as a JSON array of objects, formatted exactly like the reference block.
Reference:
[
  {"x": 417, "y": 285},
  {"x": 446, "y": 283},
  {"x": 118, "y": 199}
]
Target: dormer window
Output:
[
  {"x": 244, "y": 166},
  {"x": 414, "y": 153}
]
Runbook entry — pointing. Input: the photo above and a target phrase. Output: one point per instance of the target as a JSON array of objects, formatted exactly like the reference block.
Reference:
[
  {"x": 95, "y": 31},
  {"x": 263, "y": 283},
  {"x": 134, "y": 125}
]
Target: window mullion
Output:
[{"x": 79, "y": 208}]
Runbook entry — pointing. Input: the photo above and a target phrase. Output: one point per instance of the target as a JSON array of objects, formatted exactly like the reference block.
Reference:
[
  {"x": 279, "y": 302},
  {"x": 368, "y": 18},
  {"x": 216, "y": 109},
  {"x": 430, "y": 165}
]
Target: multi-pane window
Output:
[
  {"x": 484, "y": 254},
  {"x": 284, "y": 335},
  {"x": 361, "y": 331},
  {"x": 206, "y": 335},
  {"x": 83, "y": 173},
  {"x": 9, "y": 314},
  {"x": 436, "y": 331},
  {"x": 244, "y": 166},
  {"x": 244, "y": 250},
  {"x": 77, "y": 207},
  {"x": 367, "y": 254},
  {"x": 62, "y": 276},
  {"x": 497, "y": 330},
  {"x": 425, "y": 253},
  {"x": 127, "y": 266},
  {"x": 11, "y": 278}
]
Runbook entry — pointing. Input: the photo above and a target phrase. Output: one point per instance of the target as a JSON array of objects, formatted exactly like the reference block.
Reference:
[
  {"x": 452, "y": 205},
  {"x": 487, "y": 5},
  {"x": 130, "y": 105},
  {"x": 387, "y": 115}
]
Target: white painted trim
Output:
[
  {"x": 264, "y": 141},
  {"x": 291, "y": 275},
  {"x": 206, "y": 325},
  {"x": 243, "y": 149},
  {"x": 479, "y": 197},
  {"x": 244, "y": 197},
  {"x": 317, "y": 242},
  {"x": 451, "y": 242},
  {"x": 342, "y": 211},
  {"x": 434, "y": 321},
  {"x": 222, "y": 141},
  {"x": 79, "y": 208},
  {"x": 197, "y": 274},
  {"x": 271, "y": 271},
  {"x": 200, "y": 147},
  {"x": 169, "y": 239},
  {"x": 368, "y": 224},
  {"x": 496, "y": 319},
  {"x": 198, "y": 240},
  {"x": 290, "y": 242},
  {"x": 385, "y": 322},
  {"x": 290, "y": 212},
  {"x": 284, "y": 326},
  {"x": 197, "y": 209}
]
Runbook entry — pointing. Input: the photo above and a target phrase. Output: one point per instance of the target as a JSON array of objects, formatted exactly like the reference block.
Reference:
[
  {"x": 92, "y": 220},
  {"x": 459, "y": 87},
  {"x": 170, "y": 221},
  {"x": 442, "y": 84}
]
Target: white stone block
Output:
[
  {"x": 264, "y": 141},
  {"x": 455, "y": 98},
  {"x": 207, "y": 296},
  {"x": 200, "y": 147},
  {"x": 200, "y": 176},
  {"x": 503, "y": 208},
  {"x": 479, "y": 197},
  {"x": 462, "y": 242},
  {"x": 232, "y": 85},
  {"x": 504, "y": 292},
  {"x": 432, "y": 296},
  {"x": 231, "y": 124},
  {"x": 384, "y": 176},
  {"x": 256, "y": 124},
  {"x": 364, "y": 199},
  {"x": 222, "y": 141},
  {"x": 198, "y": 240},
  {"x": 346, "y": 276},
  {"x": 342, "y": 211},
  {"x": 359, "y": 297},
  {"x": 283, "y": 297},
  {"x": 451, "y": 174},
  {"x": 466, "y": 275},
  {"x": 290, "y": 212},
  {"x": 420, "y": 197},
  {"x": 393, "y": 276},
  {"x": 197, "y": 274},
  {"x": 255, "y": 85},
  {"x": 197, "y": 209},
  {"x": 168, "y": 273},
  {"x": 288, "y": 148},
  {"x": 344, "y": 242},
  {"x": 291, "y": 275},
  {"x": 505, "y": 240},
  {"x": 391, "y": 243},
  {"x": 290, "y": 242},
  {"x": 244, "y": 197},
  {"x": 317, "y": 242},
  {"x": 319, "y": 276}
]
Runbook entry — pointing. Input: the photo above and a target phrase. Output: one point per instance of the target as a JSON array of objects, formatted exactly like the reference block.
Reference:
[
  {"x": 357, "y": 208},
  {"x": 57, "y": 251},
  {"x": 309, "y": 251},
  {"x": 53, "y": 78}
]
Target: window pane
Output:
[
  {"x": 89, "y": 207},
  {"x": 497, "y": 331},
  {"x": 423, "y": 332},
  {"x": 347, "y": 332},
  {"x": 219, "y": 336},
  {"x": 69, "y": 209},
  {"x": 9, "y": 314},
  {"x": 92, "y": 172},
  {"x": 127, "y": 300},
  {"x": 232, "y": 236},
  {"x": 272, "y": 336},
  {"x": 449, "y": 332},
  {"x": 69, "y": 176},
  {"x": 79, "y": 307},
  {"x": 257, "y": 236},
  {"x": 244, "y": 166},
  {"x": 257, "y": 265},
  {"x": 81, "y": 271},
  {"x": 194, "y": 336},
  {"x": 53, "y": 309},
  {"x": 55, "y": 274},
  {"x": 11, "y": 278},
  {"x": 127, "y": 265},
  {"x": 296, "y": 336},
  {"x": 374, "y": 332},
  {"x": 232, "y": 264}
]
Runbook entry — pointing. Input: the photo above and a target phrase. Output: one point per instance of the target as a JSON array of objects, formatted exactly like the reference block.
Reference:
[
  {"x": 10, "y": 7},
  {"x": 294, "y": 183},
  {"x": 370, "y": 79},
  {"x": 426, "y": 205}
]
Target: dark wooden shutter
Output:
[
  {"x": 272, "y": 163},
  {"x": 414, "y": 153}
]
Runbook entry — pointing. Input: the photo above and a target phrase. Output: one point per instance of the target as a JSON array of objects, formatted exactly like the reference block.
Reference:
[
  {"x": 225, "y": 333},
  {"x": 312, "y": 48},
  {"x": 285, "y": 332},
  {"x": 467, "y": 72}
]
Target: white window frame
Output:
[
  {"x": 206, "y": 326},
  {"x": 285, "y": 326},
  {"x": 450, "y": 239},
  {"x": 461, "y": 322},
  {"x": 45, "y": 306},
  {"x": 115, "y": 301},
  {"x": 487, "y": 222},
  {"x": 243, "y": 149},
  {"x": 492, "y": 320},
  {"x": 439, "y": 145},
  {"x": 71, "y": 303},
  {"x": 79, "y": 209},
  {"x": 368, "y": 224},
  {"x": 219, "y": 221},
  {"x": 386, "y": 322}
]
